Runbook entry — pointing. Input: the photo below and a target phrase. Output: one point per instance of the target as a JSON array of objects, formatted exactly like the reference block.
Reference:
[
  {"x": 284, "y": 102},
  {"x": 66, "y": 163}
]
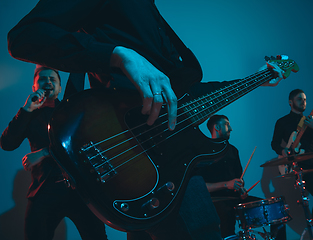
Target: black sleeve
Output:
[
  {"x": 238, "y": 167},
  {"x": 49, "y": 35},
  {"x": 16, "y": 132},
  {"x": 277, "y": 138}
]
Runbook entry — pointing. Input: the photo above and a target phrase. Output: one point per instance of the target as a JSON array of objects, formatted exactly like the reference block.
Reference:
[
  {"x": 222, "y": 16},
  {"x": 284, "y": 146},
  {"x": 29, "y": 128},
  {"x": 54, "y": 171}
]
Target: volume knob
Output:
[
  {"x": 153, "y": 203},
  {"x": 124, "y": 207}
]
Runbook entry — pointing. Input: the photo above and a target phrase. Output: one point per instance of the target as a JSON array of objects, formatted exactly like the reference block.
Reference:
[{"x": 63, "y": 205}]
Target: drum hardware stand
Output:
[
  {"x": 300, "y": 183},
  {"x": 245, "y": 235}
]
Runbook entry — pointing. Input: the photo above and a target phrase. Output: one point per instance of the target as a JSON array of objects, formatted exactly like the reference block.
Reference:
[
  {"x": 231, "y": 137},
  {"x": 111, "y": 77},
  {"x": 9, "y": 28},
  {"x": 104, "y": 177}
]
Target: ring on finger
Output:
[{"x": 157, "y": 93}]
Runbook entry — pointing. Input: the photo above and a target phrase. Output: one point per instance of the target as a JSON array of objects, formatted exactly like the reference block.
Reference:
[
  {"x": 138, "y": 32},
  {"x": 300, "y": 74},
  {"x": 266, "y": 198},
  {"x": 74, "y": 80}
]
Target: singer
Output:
[{"x": 50, "y": 198}]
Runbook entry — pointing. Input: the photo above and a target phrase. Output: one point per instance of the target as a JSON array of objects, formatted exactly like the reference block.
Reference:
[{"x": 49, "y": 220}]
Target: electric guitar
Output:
[
  {"x": 129, "y": 174},
  {"x": 294, "y": 144}
]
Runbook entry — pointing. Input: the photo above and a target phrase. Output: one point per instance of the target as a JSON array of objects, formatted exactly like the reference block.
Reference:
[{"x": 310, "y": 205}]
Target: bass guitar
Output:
[{"x": 129, "y": 174}]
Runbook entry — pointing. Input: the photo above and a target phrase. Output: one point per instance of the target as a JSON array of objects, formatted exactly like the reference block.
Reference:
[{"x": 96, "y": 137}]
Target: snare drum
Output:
[
  {"x": 264, "y": 212},
  {"x": 232, "y": 237}
]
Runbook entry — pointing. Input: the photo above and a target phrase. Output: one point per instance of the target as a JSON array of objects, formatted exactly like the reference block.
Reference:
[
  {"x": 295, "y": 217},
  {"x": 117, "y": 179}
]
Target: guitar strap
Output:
[
  {"x": 75, "y": 84},
  {"x": 300, "y": 124}
]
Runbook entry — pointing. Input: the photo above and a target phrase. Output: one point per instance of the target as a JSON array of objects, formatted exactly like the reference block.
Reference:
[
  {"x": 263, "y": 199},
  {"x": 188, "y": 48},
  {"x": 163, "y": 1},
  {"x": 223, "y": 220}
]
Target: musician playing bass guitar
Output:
[
  {"x": 126, "y": 47},
  {"x": 285, "y": 133}
]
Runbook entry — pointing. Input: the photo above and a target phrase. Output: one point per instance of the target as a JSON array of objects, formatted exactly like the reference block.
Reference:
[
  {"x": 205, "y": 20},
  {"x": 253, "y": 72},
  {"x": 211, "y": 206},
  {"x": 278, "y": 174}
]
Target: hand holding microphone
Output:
[
  {"x": 47, "y": 93},
  {"x": 33, "y": 102}
]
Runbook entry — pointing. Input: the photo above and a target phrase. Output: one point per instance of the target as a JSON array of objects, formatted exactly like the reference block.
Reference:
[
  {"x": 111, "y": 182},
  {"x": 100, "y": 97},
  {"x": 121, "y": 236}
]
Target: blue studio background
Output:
[{"x": 230, "y": 39}]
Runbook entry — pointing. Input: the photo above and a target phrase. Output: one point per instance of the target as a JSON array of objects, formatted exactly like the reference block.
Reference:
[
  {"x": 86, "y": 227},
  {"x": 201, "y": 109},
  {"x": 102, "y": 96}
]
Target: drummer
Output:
[{"x": 223, "y": 179}]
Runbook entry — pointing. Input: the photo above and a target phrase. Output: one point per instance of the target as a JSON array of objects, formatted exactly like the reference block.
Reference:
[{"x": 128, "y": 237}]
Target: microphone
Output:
[{"x": 47, "y": 92}]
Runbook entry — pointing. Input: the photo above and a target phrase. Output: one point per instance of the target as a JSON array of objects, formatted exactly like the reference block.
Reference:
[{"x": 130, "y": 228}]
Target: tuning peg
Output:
[
  {"x": 278, "y": 57},
  {"x": 284, "y": 57}
]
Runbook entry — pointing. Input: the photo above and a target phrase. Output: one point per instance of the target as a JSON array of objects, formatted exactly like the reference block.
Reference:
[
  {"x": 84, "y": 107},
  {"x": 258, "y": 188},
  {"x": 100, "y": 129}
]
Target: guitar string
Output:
[
  {"x": 202, "y": 98},
  {"x": 114, "y": 168},
  {"x": 184, "y": 106},
  {"x": 242, "y": 93},
  {"x": 144, "y": 151},
  {"x": 212, "y": 106}
]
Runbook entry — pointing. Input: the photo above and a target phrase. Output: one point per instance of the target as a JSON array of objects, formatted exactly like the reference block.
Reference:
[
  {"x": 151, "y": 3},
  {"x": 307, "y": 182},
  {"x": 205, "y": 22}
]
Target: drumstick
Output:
[
  {"x": 247, "y": 164},
  {"x": 252, "y": 186}
]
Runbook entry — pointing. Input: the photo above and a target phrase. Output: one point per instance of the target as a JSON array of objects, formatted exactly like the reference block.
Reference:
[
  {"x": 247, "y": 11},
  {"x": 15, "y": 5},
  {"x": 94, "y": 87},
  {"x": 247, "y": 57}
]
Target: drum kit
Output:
[{"x": 274, "y": 211}]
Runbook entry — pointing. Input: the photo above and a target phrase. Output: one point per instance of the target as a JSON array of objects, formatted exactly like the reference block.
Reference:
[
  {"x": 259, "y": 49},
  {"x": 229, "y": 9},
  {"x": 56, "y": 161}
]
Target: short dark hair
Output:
[
  {"x": 40, "y": 68},
  {"x": 214, "y": 120},
  {"x": 294, "y": 93}
]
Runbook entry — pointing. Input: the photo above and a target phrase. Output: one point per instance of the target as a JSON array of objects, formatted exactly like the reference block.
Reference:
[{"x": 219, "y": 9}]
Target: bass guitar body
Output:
[{"x": 129, "y": 174}]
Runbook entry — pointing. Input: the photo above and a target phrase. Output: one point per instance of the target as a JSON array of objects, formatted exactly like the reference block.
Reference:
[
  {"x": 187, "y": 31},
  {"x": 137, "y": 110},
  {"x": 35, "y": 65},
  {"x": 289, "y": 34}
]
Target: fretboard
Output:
[{"x": 201, "y": 108}]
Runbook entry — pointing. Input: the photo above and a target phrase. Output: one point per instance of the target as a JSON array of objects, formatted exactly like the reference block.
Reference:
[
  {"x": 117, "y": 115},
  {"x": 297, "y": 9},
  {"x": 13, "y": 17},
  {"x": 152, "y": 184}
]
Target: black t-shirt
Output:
[
  {"x": 284, "y": 128},
  {"x": 225, "y": 169}
]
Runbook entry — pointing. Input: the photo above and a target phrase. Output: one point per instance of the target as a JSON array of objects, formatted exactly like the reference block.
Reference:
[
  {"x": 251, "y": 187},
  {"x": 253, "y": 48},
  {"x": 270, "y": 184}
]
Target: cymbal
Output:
[
  {"x": 294, "y": 173},
  {"x": 218, "y": 199},
  {"x": 288, "y": 160}
]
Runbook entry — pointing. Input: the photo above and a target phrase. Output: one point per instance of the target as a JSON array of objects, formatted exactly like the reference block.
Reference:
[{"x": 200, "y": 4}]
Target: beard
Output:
[
  {"x": 226, "y": 136},
  {"x": 299, "y": 108}
]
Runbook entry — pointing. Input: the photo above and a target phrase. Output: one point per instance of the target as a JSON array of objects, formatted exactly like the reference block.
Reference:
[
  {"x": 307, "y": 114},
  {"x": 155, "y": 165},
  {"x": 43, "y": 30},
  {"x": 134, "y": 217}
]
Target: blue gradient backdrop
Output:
[{"x": 230, "y": 39}]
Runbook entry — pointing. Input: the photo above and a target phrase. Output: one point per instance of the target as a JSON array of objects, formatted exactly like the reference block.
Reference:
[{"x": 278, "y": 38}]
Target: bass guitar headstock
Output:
[{"x": 284, "y": 63}]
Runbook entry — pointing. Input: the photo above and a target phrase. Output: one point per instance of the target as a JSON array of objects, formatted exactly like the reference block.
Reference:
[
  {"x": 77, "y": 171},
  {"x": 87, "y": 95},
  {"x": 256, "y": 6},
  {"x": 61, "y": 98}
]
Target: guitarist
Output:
[
  {"x": 121, "y": 44},
  {"x": 285, "y": 127}
]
